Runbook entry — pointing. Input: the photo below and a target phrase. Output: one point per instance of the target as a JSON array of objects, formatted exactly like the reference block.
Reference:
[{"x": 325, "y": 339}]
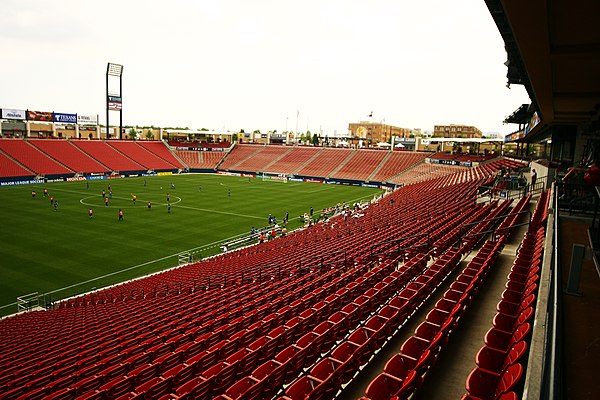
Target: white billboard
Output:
[
  {"x": 87, "y": 119},
  {"x": 8, "y": 113}
]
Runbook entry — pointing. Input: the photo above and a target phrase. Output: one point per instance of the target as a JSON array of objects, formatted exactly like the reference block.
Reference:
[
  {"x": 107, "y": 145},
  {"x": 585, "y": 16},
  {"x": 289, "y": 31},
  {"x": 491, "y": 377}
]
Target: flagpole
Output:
[{"x": 297, "y": 114}]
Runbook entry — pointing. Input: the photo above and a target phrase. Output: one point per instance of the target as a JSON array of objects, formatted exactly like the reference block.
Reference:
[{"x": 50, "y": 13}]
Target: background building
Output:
[
  {"x": 456, "y": 131},
  {"x": 376, "y": 132}
]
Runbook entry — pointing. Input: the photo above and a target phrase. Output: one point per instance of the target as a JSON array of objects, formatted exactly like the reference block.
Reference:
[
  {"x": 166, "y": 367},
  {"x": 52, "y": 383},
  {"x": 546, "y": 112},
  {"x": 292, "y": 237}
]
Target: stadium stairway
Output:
[
  {"x": 380, "y": 166},
  {"x": 286, "y": 153},
  {"x": 9, "y": 167},
  {"x": 342, "y": 164}
]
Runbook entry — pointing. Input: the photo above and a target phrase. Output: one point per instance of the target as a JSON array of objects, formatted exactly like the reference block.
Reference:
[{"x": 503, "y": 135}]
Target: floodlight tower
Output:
[{"x": 114, "y": 101}]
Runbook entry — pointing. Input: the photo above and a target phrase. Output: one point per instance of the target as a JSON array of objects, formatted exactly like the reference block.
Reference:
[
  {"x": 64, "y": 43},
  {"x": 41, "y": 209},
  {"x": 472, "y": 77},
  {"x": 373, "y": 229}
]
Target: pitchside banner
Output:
[
  {"x": 40, "y": 116},
  {"x": 87, "y": 119},
  {"x": 9, "y": 113},
  {"x": 65, "y": 118}
]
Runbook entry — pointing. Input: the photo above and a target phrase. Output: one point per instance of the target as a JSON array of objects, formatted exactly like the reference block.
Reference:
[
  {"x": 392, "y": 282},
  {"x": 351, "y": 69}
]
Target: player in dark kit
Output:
[
  {"x": 120, "y": 215},
  {"x": 91, "y": 213}
]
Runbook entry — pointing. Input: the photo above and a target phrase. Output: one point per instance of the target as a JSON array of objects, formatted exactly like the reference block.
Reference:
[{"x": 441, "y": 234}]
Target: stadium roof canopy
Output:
[
  {"x": 521, "y": 115},
  {"x": 553, "y": 48}
]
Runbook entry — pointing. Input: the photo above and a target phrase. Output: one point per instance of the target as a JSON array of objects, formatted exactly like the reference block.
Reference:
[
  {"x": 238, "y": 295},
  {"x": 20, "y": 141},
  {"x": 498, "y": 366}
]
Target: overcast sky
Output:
[{"x": 254, "y": 64}]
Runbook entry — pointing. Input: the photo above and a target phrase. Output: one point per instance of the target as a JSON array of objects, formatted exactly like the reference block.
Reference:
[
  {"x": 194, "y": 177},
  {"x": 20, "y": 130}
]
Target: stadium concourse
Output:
[{"x": 368, "y": 306}]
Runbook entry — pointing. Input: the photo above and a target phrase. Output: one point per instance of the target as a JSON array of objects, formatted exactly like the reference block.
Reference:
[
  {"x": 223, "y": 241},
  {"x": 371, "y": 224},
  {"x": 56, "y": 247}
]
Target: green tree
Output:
[
  {"x": 315, "y": 139},
  {"x": 234, "y": 137},
  {"x": 132, "y": 134},
  {"x": 149, "y": 134}
]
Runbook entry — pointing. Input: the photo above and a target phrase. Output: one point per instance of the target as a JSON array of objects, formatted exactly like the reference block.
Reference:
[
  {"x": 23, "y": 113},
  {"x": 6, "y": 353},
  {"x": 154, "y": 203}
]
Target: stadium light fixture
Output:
[
  {"x": 114, "y": 69},
  {"x": 114, "y": 100}
]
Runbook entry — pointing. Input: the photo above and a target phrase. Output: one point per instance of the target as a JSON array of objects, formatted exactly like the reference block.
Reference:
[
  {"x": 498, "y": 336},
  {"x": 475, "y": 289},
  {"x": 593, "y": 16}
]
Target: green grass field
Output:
[{"x": 64, "y": 252}]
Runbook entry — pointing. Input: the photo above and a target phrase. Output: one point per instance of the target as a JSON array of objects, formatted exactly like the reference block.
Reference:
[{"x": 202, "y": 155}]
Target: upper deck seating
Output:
[
  {"x": 262, "y": 159},
  {"x": 239, "y": 154},
  {"x": 32, "y": 158},
  {"x": 9, "y": 168},
  {"x": 293, "y": 160},
  {"x": 108, "y": 156},
  {"x": 325, "y": 162},
  {"x": 161, "y": 151},
  {"x": 141, "y": 156},
  {"x": 397, "y": 162},
  {"x": 362, "y": 164},
  {"x": 69, "y": 155}
]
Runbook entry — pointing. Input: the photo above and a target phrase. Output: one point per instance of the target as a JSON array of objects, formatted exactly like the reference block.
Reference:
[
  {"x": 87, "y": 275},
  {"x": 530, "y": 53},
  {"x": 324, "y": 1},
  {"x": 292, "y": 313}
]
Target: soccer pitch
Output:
[{"x": 63, "y": 252}]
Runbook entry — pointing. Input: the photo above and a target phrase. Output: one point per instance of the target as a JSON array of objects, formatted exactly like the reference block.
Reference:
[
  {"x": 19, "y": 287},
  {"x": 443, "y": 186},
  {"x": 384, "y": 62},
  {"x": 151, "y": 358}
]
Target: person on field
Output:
[
  {"x": 120, "y": 215},
  {"x": 33, "y": 194},
  {"x": 90, "y": 213},
  {"x": 106, "y": 201},
  {"x": 149, "y": 205}
]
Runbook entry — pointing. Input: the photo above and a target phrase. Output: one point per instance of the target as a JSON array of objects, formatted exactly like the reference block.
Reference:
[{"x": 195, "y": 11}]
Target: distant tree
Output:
[
  {"x": 315, "y": 139},
  {"x": 242, "y": 130},
  {"x": 132, "y": 134},
  {"x": 256, "y": 131},
  {"x": 204, "y": 129},
  {"x": 149, "y": 134},
  {"x": 234, "y": 137}
]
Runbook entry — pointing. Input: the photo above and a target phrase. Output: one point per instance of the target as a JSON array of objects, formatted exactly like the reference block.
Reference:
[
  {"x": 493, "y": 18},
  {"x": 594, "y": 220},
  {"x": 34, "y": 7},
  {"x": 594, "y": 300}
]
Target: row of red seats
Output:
[
  {"x": 32, "y": 158},
  {"x": 508, "y": 224},
  {"x": 263, "y": 158},
  {"x": 396, "y": 163},
  {"x": 239, "y": 154},
  {"x": 501, "y": 361},
  {"x": 293, "y": 160},
  {"x": 140, "y": 319},
  {"x": 162, "y": 343},
  {"x": 10, "y": 168},
  {"x": 361, "y": 165},
  {"x": 406, "y": 371},
  {"x": 143, "y": 156},
  {"x": 325, "y": 378},
  {"x": 69, "y": 155}
]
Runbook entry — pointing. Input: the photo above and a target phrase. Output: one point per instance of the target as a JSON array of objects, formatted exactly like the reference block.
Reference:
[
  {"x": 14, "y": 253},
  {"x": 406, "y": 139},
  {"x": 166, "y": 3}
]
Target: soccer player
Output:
[
  {"x": 55, "y": 205},
  {"x": 103, "y": 194},
  {"x": 45, "y": 192},
  {"x": 87, "y": 185},
  {"x": 90, "y": 213},
  {"x": 120, "y": 215},
  {"x": 110, "y": 194},
  {"x": 172, "y": 185},
  {"x": 106, "y": 201},
  {"x": 133, "y": 198},
  {"x": 169, "y": 208},
  {"x": 229, "y": 193},
  {"x": 149, "y": 205},
  {"x": 33, "y": 194},
  {"x": 109, "y": 187},
  {"x": 144, "y": 182},
  {"x": 168, "y": 197},
  {"x": 51, "y": 200}
]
